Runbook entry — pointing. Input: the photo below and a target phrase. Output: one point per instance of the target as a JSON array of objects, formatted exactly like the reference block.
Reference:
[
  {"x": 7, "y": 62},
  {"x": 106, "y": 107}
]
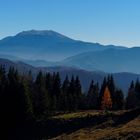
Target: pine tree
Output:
[
  {"x": 64, "y": 95},
  {"x": 112, "y": 89},
  {"x": 111, "y": 85},
  {"x": 103, "y": 86},
  {"x": 119, "y": 100},
  {"x": 17, "y": 107},
  {"x": 4, "y": 119},
  {"x": 49, "y": 82},
  {"x": 132, "y": 101},
  {"x": 41, "y": 98},
  {"x": 3, "y": 84},
  {"x": 2, "y": 80},
  {"x": 13, "y": 94},
  {"x": 71, "y": 95},
  {"x": 56, "y": 91},
  {"x": 78, "y": 93},
  {"x": 93, "y": 96},
  {"x": 27, "y": 99},
  {"x": 137, "y": 89}
]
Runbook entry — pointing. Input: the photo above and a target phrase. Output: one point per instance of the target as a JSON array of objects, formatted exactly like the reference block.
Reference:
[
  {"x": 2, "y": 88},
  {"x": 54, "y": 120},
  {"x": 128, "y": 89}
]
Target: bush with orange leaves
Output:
[{"x": 106, "y": 103}]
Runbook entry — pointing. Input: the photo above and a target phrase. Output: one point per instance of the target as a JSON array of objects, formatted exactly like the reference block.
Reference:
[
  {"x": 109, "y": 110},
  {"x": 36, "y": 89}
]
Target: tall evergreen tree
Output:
[
  {"x": 71, "y": 95},
  {"x": 41, "y": 98},
  {"x": 131, "y": 100},
  {"x": 112, "y": 88},
  {"x": 16, "y": 108},
  {"x": 78, "y": 93},
  {"x": 27, "y": 99},
  {"x": 103, "y": 86},
  {"x": 118, "y": 100},
  {"x": 2, "y": 80},
  {"x": 3, "y": 101},
  {"x": 64, "y": 94},
  {"x": 93, "y": 96},
  {"x": 137, "y": 89},
  {"x": 49, "y": 82},
  {"x": 56, "y": 91}
]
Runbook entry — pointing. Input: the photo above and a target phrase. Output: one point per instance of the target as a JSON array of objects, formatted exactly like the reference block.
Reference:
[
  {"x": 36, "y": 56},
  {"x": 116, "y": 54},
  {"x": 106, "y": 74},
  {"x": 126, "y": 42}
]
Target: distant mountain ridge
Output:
[
  {"x": 49, "y": 48},
  {"x": 47, "y": 45},
  {"x": 109, "y": 60},
  {"x": 122, "y": 80}
]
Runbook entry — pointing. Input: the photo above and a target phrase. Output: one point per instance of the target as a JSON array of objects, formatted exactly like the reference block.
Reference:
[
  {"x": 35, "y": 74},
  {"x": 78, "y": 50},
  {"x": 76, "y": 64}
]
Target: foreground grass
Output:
[
  {"x": 84, "y": 114},
  {"x": 104, "y": 131},
  {"x": 130, "y": 131}
]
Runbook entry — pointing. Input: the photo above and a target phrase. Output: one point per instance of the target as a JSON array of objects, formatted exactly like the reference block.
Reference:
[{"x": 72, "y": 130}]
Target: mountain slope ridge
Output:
[
  {"x": 122, "y": 80},
  {"x": 109, "y": 60},
  {"x": 47, "y": 45}
]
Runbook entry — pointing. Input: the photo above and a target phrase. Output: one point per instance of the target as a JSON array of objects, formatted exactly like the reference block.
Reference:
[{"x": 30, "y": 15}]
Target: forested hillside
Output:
[{"x": 25, "y": 101}]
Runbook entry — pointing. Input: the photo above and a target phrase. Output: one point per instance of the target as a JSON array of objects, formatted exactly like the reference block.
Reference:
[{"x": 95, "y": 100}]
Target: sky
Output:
[{"x": 103, "y": 21}]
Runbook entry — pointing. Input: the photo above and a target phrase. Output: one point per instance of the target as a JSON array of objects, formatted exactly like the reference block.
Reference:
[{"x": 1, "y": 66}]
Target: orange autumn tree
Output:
[{"x": 106, "y": 100}]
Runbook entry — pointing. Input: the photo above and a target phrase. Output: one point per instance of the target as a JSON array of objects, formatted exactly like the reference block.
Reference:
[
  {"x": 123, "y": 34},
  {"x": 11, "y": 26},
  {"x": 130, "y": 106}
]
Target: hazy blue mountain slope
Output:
[
  {"x": 46, "y": 45},
  {"x": 38, "y": 47},
  {"x": 122, "y": 80},
  {"x": 110, "y": 60},
  {"x": 10, "y": 57},
  {"x": 85, "y": 76},
  {"x": 20, "y": 66},
  {"x": 40, "y": 63}
]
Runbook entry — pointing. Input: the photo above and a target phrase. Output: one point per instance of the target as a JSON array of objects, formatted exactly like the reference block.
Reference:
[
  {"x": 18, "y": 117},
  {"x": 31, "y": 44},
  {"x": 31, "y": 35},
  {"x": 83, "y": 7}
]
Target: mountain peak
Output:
[
  {"x": 37, "y": 32},
  {"x": 47, "y": 33},
  {"x": 47, "y": 45}
]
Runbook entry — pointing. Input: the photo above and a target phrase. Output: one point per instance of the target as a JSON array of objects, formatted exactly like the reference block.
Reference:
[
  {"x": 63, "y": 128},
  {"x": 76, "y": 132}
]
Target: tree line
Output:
[{"x": 23, "y": 97}]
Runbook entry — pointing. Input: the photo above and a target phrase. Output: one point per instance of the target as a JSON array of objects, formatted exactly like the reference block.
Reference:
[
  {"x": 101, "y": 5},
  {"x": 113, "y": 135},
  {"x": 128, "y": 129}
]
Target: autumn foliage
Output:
[{"x": 106, "y": 100}]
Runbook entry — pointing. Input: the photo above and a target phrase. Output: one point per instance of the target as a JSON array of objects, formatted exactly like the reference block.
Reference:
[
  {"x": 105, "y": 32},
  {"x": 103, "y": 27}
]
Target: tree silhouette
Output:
[
  {"x": 64, "y": 94},
  {"x": 93, "y": 96},
  {"x": 132, "y": 100}
]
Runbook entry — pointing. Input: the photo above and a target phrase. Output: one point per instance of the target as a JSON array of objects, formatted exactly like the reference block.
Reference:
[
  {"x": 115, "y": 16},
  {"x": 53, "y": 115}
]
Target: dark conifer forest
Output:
[{"x": 25, "y": 100}]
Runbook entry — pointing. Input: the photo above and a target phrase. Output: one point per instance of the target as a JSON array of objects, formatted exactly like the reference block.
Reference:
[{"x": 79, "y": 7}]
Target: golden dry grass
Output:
[
  {"x": 129, "y": 131},
  {"x": 82, "y": 114}
]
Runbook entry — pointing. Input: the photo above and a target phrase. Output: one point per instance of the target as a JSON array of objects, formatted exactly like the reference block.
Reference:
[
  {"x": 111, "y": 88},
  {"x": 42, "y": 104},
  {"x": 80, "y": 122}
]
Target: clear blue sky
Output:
[{"x": 104, "y": 21}]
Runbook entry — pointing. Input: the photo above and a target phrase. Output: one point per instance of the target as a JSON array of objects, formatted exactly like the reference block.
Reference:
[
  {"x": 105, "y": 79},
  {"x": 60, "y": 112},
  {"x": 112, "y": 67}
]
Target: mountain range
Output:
[
  {"x": 49, "y": 48},
  {"x": 46, "y": 45},
  {"x": 49, "y": 51},
  {"x": 122, "y": 79},
  {"x": 110, "y": 60}
]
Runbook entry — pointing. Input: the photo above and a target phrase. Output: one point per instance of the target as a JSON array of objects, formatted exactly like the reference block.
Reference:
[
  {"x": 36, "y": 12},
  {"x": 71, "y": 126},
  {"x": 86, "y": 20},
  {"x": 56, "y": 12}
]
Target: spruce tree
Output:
[
  {"x": 137, "y": 89},
  {"x": 27, "y": 99},
  {"x": 4, "y": 119},
  {"x": 93, "y": 96},
  {"x": 41, "y": 98},
  {"x": 112, "y": 88},
  {"x": 132, "y": 101},
  {"x": 119, "y": 100},
  {"x": 64, "y": 94},
  {"x": 56, "y": 91},
  {"x": 71, "y": 95},
  {"x": 78, "y": 93},
  {"x": 103, "y": 86}
]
